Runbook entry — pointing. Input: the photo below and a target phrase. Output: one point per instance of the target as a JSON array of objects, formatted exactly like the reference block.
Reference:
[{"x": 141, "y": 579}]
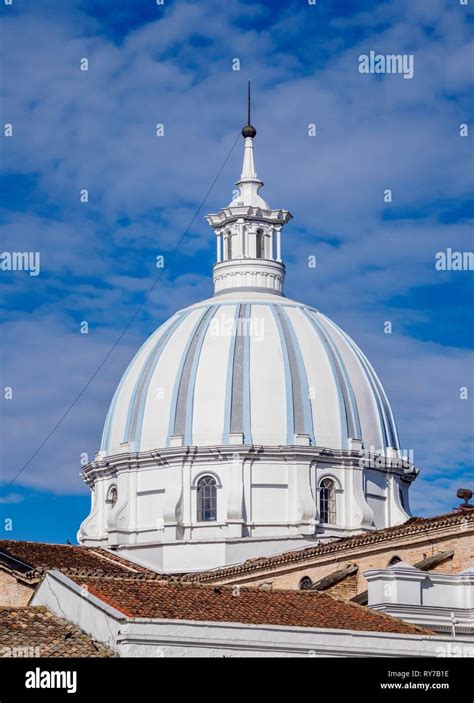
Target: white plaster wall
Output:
[
  {"x": 65, "y": 599},
  {"x": 178, "y": 638},
  {"x": 181, "y": 639}
]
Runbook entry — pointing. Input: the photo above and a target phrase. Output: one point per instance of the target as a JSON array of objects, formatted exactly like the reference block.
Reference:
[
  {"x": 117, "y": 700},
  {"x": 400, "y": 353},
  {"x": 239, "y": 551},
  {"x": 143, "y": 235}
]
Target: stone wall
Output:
[
  {"x": 411, "y": 548},
  {"x": 13, "y": 593}
]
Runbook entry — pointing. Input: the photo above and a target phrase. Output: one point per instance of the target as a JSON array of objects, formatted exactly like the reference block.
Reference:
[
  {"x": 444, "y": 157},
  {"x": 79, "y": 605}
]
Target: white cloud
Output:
[{"x": 96, "y": 130}]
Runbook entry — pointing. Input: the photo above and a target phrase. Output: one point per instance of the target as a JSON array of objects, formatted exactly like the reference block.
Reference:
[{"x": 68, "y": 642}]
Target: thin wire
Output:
[{"x": 125, "y": 329}]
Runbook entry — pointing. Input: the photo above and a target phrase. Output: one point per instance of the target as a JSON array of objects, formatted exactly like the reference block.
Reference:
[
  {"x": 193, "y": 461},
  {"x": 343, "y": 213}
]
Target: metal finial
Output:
[
  {"x": 248, "y": 119},
  {"x": 248, "y": 130}
]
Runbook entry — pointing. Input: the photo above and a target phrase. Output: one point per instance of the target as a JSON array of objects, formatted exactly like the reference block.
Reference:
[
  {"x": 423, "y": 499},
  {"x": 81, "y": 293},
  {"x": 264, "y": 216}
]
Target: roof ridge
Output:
[
  {"x": 116, "y": 558},
  {"x": 45, "y": 544},
  {"x": 414, "y": 524},
  {"x": 40, "y": 608}
]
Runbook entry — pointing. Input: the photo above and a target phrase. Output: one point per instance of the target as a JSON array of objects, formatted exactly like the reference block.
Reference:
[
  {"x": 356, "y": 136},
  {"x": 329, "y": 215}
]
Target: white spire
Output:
[
  {"x": 248, "y": 234},
  {"x": 248, "y": 168},
  {"x": 249, "y": 184}
]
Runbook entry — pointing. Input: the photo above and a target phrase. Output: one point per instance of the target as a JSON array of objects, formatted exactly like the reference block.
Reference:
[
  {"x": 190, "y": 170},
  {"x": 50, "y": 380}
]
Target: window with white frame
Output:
[
  {"x": 260, "y": 244},
  {"x": 229, "y": 245},
  {"x": 112, "y": 496},
  {"x": 327, "y": 501},
  {"x": 206, "y": 497}
]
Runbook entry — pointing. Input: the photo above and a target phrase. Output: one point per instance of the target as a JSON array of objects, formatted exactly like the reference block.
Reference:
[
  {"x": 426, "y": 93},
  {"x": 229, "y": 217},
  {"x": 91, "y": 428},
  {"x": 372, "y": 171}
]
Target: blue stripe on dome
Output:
[
  {"x": 392, "y": 423},
  {"x": 389, "y": 417},
  {"x": 288, "y": 381},
  {"x": 294, "y": 349},
  {"x": 343, "y": 400},
  {"x": 343, "y": 415},
  {"x": 229, "y": 378},
  {"x": 105, "y": 444},
  {"x": 354, "y": 423},
  {"x": 387, "y": 434},
  {"x": 382, "y": 418},
  {"x": 136, "y": 410},
  {"x": 195, "y": 354},
  {"x": 177, "y": 420},
  {"x": 237, "y": 396},
  {"x": 246, "y": 419},
  {"x": 354, "y": 430}
]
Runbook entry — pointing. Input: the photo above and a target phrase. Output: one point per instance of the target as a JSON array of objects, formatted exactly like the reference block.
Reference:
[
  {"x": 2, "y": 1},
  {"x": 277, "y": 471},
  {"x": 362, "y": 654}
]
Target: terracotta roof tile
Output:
[
  {"x": 410, "y": 527},
  {"x": 31, "y": 559},
  {"x": 179, "y": 601},
  {"x": 35, "y": 632}
]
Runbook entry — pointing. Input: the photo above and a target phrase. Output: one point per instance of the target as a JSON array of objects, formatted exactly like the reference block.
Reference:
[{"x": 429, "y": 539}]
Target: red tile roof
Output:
[
  {"x": 413, "y": 526},
  {"x": 35, "y": 632},
  {"x": 179, "y": 601},
  {"x": 31, "y": 559}
]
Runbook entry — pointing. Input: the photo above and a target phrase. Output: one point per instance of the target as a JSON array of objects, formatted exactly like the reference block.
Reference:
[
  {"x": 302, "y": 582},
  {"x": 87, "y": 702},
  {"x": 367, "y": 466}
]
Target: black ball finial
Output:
[{"x": 249, "y": 131}]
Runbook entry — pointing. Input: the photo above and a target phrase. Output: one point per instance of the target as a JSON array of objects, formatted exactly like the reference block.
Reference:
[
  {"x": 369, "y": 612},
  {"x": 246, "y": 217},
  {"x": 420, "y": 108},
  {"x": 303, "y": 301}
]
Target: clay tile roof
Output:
[
  {"x": 412, "y": 526},
  {"x": 31, "y": 559},
  {"x": 35, "y": 632},
  {"x": 179, "y": 601}
]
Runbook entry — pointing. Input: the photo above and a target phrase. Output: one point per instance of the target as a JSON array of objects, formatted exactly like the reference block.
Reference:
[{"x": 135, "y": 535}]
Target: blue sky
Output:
[{"x": 172, "y": 64}]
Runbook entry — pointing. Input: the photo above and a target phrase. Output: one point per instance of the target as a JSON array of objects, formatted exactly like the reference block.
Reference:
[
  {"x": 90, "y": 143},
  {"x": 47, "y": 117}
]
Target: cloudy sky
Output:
[{"x": 172, "y": 64}]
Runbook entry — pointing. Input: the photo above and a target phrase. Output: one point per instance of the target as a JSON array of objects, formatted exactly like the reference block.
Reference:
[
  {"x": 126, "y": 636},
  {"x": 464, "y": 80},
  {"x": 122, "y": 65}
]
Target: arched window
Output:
[
  {"x": 305, "y": 584},
  {"x": 207, "y": 499},
  {"x": 327, "y": 501},
  {"x": 394, "y": 560},
  {"x": 260, "y": 251},
  {"x": 229, "y": 245},
  {"x": 112, "y": 496}
]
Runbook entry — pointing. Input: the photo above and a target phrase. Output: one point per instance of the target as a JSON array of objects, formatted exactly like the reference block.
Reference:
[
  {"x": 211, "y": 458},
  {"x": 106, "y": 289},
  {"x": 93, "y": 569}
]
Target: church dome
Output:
[
  {"x": 248, "y": 368},
  {"x": 247, "y": 423}
]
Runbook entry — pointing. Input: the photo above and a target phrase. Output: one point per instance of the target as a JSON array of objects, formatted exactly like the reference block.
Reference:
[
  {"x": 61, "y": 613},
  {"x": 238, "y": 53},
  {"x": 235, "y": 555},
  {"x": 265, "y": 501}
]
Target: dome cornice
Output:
[{"x": 176, "y": 456}]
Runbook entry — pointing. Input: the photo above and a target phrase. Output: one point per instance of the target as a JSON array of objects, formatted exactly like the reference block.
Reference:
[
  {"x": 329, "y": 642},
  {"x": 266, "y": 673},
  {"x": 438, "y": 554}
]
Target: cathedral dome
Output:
[
  {"x": 248, "y": 368},
  {"x": 246, "y": 423}
]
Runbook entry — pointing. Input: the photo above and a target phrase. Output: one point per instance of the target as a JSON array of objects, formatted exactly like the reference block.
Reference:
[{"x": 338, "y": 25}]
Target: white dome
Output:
[
  {"x": 246, "y": 424},
  {"x": 248, "y": 368}
]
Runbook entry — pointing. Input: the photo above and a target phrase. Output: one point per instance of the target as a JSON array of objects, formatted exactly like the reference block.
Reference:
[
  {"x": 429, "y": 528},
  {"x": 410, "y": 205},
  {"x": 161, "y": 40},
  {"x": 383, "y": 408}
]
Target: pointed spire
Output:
[
  {"x": 248, "y": 167},
  {"x": 249, "y": 184},
  {"x": 248, "y": 233}
]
